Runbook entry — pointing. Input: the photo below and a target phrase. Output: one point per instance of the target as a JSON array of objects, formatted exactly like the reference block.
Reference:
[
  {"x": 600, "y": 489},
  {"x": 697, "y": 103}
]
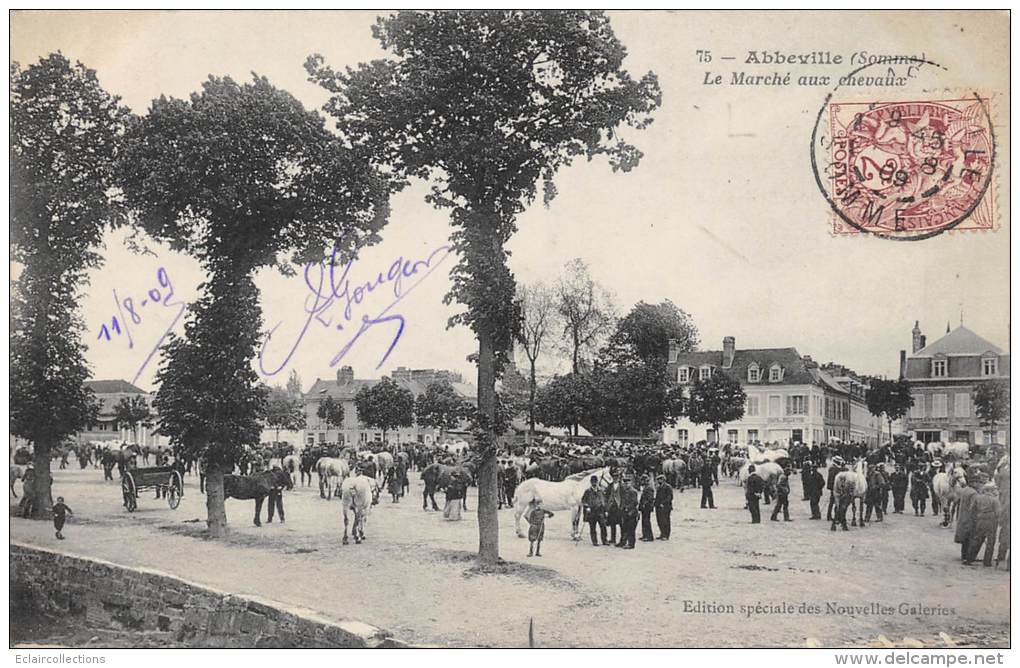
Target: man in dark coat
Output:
[
  {"x": 594, "y": 506},
  {"x": 663, "y": 506},
  {"x": 837, "y": 466},
  {"x": 876, "y": 491},
  {"x": 754, "y": 486},
  {"x": 965, "y": 517},
  {"x": 706, "y": 478},
  {"x": 919, "y": 491},
  {"x": 646, "y": 506},
  {"x": 985, "y": 511},
  {"x": 814, "y": 483},
  {"x": 628, "y": 514},
  {"x": 510, "y": 482},
  {"x": 898, "y": 481}
]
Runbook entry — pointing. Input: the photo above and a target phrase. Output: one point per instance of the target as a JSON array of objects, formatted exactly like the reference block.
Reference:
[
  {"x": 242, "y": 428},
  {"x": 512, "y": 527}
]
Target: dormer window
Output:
[
  {"x": 753, "y": 374},
  {"x": 683, "y": 374},
  {"x": 990, "y": 366},
  {"x": 775, "y": 373},
  {"x": 938, "y": 368},
  {"x": 705, "y": 372}
]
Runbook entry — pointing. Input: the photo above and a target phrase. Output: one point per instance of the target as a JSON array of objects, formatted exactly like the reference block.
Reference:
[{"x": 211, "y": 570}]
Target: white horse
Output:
[
  {"x": 564, "y": 495},
  {"x": 957, "y": 450},
  {"x": 332, "y": 471},
  {"x": 383, "y": 463},
  {"x": 292, "y": 465},
  {"x": 755, "y": 455},
  {"x": 850, "y": 488},
  {"x": 947, "y": 485},
  {"x": 357, "y": 494}
]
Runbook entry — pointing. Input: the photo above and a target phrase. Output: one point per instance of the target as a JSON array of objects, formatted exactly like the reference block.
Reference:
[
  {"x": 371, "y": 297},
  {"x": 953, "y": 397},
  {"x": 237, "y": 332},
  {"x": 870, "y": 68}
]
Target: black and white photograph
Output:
[{"x": 509, "y": 329}]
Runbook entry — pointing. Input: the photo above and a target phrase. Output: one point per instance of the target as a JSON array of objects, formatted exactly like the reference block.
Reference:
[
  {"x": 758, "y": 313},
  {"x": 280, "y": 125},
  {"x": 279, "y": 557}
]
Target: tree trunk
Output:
[
  {"x": 216, "y": 514},
  {"x": 531, "y": 402},
  {"x": 42, "y": 490},
  {"x": 488, "y": 519}
]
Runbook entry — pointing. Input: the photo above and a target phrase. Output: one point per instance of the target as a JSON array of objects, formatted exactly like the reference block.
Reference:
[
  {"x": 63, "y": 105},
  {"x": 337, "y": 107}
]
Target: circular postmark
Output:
[{"x": 906, "y": 164}]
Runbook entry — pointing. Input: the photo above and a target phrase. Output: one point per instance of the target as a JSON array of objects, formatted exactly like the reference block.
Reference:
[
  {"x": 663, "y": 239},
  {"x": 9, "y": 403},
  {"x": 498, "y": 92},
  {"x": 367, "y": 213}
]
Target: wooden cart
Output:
[{"x": 166, "y": 479}]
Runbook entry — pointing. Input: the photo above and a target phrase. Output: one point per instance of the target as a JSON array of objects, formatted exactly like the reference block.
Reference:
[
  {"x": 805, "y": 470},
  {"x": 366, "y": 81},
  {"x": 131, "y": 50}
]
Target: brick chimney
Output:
[
  {"x": 903, "y": 364},
  {"x": 345, "y": 375},
  {"x": 729, "y": 345}
]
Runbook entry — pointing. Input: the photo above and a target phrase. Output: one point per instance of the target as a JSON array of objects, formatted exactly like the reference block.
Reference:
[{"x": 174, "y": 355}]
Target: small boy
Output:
[
  {"x": 60, "y": 513},
  {"x": 536, "y": 519}
]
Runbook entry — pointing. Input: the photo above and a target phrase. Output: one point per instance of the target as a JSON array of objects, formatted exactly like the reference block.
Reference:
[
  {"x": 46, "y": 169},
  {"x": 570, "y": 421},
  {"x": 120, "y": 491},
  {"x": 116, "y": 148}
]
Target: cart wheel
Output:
[{"x": 127, "y": 486}]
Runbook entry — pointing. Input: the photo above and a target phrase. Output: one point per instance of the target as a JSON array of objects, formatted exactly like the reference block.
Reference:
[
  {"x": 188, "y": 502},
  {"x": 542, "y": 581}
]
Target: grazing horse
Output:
[
  {"x": 332, "y": 472},
  {"x": 358, "y": 494},
  {"x": 565, "y": 495},
  {"x": 947, "y": 485},
  {"x": 850, "y": 488},
  {"x": 17, "y": 473},
  {"x": 291, "y": 464},
  {"x": 258, "y": 486},
  {"x": 438, "y": 477}
]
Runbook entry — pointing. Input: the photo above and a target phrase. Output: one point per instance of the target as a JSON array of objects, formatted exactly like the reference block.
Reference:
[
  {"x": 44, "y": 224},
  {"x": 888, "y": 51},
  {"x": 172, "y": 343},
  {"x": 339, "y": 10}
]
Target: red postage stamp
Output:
[{"x": 911, "y": 170}]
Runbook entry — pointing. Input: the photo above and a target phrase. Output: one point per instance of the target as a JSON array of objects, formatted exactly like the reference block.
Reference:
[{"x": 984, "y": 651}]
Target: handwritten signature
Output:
[
  {"x": 121, "y": 324},
  {"x": 330, "y": 286}
]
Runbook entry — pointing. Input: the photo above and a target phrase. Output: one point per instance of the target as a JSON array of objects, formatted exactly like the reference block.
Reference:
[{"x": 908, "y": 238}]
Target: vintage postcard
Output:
[{"x": 374, "y": 329}]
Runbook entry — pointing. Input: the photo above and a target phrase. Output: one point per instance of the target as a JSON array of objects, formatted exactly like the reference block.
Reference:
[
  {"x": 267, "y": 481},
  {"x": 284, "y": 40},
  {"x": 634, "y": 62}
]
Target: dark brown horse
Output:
[
  {"x": 258, "y": 486},
  {"x": 438, "y": 477}
]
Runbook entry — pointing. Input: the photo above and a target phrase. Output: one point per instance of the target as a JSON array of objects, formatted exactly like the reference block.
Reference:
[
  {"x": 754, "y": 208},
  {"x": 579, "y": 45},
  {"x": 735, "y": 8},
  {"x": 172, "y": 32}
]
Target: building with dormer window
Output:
[
  {"x": 943, "y": 377},
  {"x": 790, "y": 399}
]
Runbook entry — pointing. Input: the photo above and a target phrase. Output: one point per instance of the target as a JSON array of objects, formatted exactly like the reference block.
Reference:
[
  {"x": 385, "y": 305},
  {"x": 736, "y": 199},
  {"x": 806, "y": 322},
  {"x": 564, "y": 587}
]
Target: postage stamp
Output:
[{"x": 911, "y": 169}]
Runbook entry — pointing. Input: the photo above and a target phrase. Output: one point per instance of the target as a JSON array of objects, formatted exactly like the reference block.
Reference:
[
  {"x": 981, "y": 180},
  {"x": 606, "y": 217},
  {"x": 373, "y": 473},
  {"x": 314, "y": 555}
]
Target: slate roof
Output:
[
  {"x": 795, "y": 370},
  {"x": 113, "y": 386},
  {"x": 960, "y": 341}
]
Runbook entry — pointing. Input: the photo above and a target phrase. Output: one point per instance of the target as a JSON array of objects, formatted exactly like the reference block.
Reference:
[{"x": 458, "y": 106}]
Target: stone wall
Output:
[{"x": 110, "y": 596}]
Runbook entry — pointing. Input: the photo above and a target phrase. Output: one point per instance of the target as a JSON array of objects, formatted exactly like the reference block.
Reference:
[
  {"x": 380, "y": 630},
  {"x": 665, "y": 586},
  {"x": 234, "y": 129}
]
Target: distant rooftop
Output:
[
  {"x": 113, "y": 387},
  {"x": 960, "y": 341}
]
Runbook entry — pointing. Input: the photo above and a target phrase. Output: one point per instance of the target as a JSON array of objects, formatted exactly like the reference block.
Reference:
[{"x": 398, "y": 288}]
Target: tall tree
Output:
[
  {"x": 284, "y": 411},
  {"x": 716, "y": 400},
  {"x": 486, "y": 104},
  {"x": 239, "y": 176},
  {"x": 132, "y": 411},
  {"x": 538, "y": 313},
  {"x": 644, "y": 333},
  {"x": 891, "y": 398},
  {"x": 565, "y": 401},
  {"x": 440, "y": 407},
  {"x": 632, "y": 399},
  {"x": 991, "y": 405},
  {"x": 294, "y": 383},
  {"x": 65, "y": 135},
  {"x": 331, "y": 412},
  {"x": 385, "y": 406},
  {"x": 586, "y": 310}
]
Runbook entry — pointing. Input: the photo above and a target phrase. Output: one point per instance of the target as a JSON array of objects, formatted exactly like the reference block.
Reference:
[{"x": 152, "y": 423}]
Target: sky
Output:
[{"x": 723, "y": 216}]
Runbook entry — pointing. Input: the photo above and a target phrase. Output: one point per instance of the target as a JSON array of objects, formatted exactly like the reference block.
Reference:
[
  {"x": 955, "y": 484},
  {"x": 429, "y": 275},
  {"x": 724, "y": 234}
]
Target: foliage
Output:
[
  {"x": 716, "y": 400},
  {"x": 385, "y": 406},
  {"x": 440, "y": 407},
  {"x": 991, "y": 403},
  {"x": 331, "y": 412},
  {"x": 284, "y": 410},
  {"x": 633, "y": 399},
  {"x": 586, "y": 311},
  {"x": 485, "y": 104},
  {"x": 644, "y": 334},
  {"x": 132, "y": 411},
  {"x": 238, "y": 176},
  {"x": 65, "y": 136},
  {"x": 565, "y": 401},
  {"x": 294, "y": 383},
  {"x": 891, "y": 398},
  {"x": 538, "y": 317}
]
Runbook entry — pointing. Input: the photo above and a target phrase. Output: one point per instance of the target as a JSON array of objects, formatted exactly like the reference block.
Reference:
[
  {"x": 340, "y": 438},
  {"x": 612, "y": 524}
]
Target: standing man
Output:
[
  {"x": 647, "y": 505},
  {"x": 965, "y": 517},
  {"x": 782, "y": 497},
  {"x": 919, "y": 490},
  {"x": 510, "y": 483},
  {"x": 754, "y": 487},
  {"x": 834, "y": 470},
  {"x": 706, "y": 478},
  {"x": 898, "y": 481},
  {"x": 815, "y": 485},
  {"x": 716, "y": 462},
  {"x": 593, "y": 504},
  {"x": 613, "y": 518},
  {"x": 629, "y": 514},
  {"x": 985, "y": 510},
  {"x": 663, "y": 506},
  {"x": 875, "y": 493}
]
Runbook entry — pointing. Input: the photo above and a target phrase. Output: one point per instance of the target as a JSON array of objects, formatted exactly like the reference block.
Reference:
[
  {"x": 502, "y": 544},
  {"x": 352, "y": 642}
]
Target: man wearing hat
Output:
[
  {"x": 814, "y": 483},
  {"x": 594, "y": 505},
  {"x": 875, "y": 493},
  {"x": 782, "y": 497},
  {"x": 663, "y": 505},
  {"x": 628, "y": 514},
  {"x": 646, "y": 506},
  {"x": 985, "y": 510},
  {"x": 752, "y": 490},
  {"x": 898, "y": 482},
  {"x": 965, "y": 528},
  {"x": 834, "y": 470}
]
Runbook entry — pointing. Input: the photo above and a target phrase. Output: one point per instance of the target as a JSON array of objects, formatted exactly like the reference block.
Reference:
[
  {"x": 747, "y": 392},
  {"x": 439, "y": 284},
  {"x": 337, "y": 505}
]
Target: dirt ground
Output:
[{"x": 899, "y": 582}]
